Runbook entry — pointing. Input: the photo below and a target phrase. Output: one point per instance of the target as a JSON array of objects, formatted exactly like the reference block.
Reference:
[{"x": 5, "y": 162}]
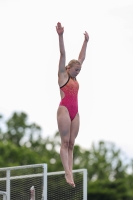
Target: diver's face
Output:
[{"x": 74, "y": 70}]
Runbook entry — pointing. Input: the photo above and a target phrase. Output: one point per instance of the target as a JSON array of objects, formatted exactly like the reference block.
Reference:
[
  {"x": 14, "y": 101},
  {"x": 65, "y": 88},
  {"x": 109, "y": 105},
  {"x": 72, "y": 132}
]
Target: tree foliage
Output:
[{"x": 21, "y": 143}]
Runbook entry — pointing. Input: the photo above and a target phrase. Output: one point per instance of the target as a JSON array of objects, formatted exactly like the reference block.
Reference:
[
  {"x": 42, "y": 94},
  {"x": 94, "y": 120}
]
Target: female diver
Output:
[{"x": 67, "y": 113}]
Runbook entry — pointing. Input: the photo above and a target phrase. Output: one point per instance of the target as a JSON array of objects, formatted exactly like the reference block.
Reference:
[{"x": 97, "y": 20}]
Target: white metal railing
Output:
[
  {"x": 44, "y": 175},
  {"x": 6, "y": 194},
  {"x": 84, "y": 171}
]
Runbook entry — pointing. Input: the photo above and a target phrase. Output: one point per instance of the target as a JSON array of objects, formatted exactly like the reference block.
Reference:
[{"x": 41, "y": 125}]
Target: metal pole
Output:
[
  {"x": 85, "y": 184},
  {"x": 4, "y": 195},
  {"x": 44, "y": 195},
  {"x": 8, "y": 183}
]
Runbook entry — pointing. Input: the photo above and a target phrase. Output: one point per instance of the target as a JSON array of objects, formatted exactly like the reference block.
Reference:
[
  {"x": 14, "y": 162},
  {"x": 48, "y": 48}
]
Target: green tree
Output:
[
  {"x": 106, "y": 161},
  {"x": 18, "y": 127},
  {"x": 21, "y": 143},
  {"x": 110, "y": 190},
  {"x": 22, "y": 138},
  {"x": 12, "y": 155}
]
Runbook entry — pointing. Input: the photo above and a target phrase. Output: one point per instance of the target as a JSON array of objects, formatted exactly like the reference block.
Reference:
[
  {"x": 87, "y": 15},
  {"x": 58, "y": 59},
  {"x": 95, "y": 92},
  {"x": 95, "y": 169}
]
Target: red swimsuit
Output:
[{"x": 70, "y": 99}]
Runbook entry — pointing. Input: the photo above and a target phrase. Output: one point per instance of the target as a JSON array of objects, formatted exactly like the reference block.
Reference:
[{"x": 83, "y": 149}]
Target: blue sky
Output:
[{"x": 29, "y": 56}]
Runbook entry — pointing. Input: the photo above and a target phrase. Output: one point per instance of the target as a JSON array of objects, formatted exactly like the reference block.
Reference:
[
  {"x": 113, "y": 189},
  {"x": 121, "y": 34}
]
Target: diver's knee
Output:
[
  {"x": 65, "y": 144},
  {"x": 71, "y": 145}
]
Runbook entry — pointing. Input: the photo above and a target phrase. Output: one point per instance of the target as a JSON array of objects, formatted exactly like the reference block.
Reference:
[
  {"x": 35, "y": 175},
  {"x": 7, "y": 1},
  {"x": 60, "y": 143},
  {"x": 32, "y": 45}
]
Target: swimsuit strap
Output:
[{"x": 66, "y": 82}]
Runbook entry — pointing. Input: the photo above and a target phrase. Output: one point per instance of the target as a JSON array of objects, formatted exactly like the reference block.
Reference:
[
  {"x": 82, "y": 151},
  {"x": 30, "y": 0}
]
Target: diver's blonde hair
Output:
[{"x": 70, "y": 64}]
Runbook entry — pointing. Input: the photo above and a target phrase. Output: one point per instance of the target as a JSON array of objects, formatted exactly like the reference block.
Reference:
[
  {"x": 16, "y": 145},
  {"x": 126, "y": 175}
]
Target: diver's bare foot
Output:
[{"x": 69, "y": 179}]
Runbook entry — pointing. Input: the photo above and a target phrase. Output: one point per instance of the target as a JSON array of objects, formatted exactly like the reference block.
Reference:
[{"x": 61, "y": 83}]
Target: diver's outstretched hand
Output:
[
  {"x": 59, "y": 29},
  {"x": 86, "y": 36}
]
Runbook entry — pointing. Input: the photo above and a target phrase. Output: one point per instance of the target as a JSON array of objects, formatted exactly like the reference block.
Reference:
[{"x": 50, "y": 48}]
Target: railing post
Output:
[
  {"x": 85, "y": 184},
  {"x": 44, "y": 195},
  {"x": 4, "y": 195},
  {"x": 8, "y": 183}
]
